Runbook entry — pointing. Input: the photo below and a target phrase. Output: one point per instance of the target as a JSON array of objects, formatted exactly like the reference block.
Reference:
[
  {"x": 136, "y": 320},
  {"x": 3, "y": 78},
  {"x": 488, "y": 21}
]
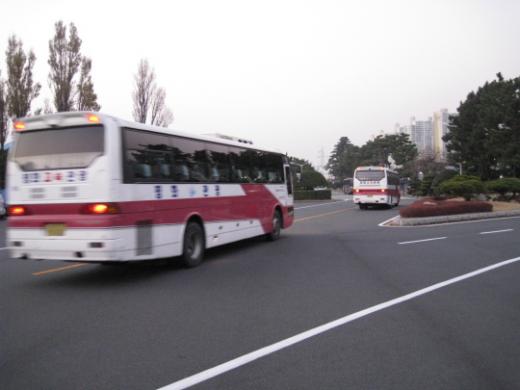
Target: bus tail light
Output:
[
  {"x": 17, "y": 211},
  {"x": 102, "y": 208},
  {"x": 19, "y": 126},
  {"x": 383, "y": 190},
  {"x": 93, "y": 118}
]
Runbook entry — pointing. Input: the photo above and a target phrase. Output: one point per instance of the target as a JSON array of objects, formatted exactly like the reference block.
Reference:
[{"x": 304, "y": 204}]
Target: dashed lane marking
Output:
[
  {"x": 259, "y": 353},
  {"x": 319, "y": 204},
  {"x": 73, "y": 266},
  {"x": 59, "y": 269},
  {"x": 425, "y": 240},
  {"x": 322, "y": 215},
  {"x": 497, "y": 231}
]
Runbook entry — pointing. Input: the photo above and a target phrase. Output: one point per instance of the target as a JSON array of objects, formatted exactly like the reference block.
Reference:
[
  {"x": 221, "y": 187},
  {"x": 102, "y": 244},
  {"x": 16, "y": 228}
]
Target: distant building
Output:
[
  {"x": 440, "y": 128},
  {"x": 421, "y": 134},
  {"x": 427, "y": 135}
]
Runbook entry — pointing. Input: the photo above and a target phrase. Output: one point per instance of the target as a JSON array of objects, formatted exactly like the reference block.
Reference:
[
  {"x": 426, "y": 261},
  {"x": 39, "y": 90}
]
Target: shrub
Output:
[
  {"x": 504, "y": 186},
  {"x": 431, "y": 208},
  {"x": 464, "y": 186},
  {"x": 312, "y": 195}
]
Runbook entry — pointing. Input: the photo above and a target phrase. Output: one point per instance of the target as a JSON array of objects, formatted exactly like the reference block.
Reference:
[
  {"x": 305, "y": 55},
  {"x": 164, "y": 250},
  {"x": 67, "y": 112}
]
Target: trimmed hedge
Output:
[
  {"x": 312, "y": 195},
  {"x": 504, "y": 186},
  {"x": 433, "y": 208},
  {"x": 464, "y": 186}
]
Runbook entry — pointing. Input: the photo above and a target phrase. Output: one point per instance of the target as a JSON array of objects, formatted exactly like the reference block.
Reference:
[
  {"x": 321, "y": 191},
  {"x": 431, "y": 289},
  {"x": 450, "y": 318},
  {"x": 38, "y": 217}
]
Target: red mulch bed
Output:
[{"x": 431, "y": 208}]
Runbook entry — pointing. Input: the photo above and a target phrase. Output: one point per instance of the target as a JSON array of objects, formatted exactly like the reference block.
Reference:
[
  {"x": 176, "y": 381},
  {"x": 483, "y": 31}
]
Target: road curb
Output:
[{"x": 457, "y": 218}]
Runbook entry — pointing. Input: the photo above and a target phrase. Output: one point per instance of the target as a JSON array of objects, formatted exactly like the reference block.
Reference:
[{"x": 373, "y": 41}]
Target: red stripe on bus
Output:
[
  {"x": 258, "y": 203},
  {"x": 377, "y": 191}
]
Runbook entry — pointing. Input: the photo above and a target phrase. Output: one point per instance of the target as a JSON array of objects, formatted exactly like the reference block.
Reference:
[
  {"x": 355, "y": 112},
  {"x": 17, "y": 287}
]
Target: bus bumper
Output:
[
  {"x": 375, "y": 199},
  {"x": 80, "y": 245}
]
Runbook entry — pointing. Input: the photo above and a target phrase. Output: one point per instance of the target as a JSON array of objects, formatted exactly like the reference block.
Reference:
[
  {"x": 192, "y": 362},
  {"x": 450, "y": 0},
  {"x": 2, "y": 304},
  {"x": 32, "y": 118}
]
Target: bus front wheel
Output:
[{"x": 193, "y": 245}]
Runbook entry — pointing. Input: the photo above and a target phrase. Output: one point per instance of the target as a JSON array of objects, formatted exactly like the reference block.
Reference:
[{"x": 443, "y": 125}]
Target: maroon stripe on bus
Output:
[
  {"x": 376, "y": 192},
  {"x": 259, "y": 204}
]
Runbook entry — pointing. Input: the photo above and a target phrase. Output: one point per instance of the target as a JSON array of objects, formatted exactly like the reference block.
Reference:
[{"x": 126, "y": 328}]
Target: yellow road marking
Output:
[
  {"x": 73, "y": 266},
  {"x": 59, "y": 269},
  {"x": 322, "y": 215}
]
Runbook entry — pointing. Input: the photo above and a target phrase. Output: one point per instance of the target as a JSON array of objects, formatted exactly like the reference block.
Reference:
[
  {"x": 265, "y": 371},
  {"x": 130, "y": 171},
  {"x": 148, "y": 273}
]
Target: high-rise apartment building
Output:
[
  {"x": 440, "y": 128},
  {"x": 421, "y": 134},
  {"x": 427, "y": 135}
]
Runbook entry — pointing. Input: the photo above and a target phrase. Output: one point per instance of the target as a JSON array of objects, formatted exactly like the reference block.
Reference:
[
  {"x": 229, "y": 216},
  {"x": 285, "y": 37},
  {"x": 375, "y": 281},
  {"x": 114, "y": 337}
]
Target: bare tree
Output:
[
  {"x": 21, "y": 89},
  {"x": 143, "y": 90},
  {"x": 3, "y": 130},
  {"x": 66, "y": 61},
  {"x": 87, "y": 98},
  {"x": 3, "y": 114},
  {"x": 149, "y": 101},
  {"x": 160, "y": 114}
]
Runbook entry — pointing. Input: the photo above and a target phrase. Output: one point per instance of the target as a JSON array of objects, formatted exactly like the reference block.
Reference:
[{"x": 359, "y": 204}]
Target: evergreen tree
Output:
[
  {"x": 343, "y": 159},
  {"x": 485, "y": 134},
  {"x": 377, "y": 151}
]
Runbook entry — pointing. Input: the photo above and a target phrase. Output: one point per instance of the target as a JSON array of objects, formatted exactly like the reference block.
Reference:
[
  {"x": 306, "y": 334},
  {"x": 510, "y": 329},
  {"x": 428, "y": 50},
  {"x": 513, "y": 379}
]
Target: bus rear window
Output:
[
  {"x": 64, "y": 148},
  {"x": 367, "y": 175}
]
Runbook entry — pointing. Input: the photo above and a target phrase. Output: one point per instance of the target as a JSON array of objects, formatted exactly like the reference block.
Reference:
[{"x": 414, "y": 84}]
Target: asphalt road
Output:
[{"x": 145, "y": 326}]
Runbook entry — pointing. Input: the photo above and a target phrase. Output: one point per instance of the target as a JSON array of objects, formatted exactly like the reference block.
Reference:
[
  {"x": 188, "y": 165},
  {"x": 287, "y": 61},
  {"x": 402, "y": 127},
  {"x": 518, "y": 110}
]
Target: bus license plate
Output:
[{"x": 55, "y": 229}]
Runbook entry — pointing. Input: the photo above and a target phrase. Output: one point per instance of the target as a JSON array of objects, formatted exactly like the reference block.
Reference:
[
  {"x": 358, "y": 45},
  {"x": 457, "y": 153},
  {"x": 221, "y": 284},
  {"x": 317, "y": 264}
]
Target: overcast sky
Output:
[{"x": 292, "y": 75}]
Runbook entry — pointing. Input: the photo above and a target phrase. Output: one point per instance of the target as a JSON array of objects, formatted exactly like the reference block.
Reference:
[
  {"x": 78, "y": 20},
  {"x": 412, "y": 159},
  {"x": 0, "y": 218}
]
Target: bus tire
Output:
[
  {"x": 362, "y": 206},
  {"x": 193, "y": 245},
  {"x": 277, "y": 227}
]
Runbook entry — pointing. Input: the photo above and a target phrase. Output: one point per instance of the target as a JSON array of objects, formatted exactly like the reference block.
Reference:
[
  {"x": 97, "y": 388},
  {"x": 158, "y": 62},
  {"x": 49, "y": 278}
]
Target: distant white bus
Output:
[
  {"x": 91, "y": 187},
  {"x": 376, "y": 185}
]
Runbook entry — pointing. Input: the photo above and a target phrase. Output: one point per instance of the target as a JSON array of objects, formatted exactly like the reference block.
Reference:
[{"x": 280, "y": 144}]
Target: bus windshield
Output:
[
  {"x": 64, "y": 148},
  {"x": 370, "y": 175}
]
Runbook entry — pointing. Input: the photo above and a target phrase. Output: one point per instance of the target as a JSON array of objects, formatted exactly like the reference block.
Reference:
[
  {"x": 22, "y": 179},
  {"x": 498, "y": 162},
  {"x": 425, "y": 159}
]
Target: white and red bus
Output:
[
  {"x": 91, "y": 187},
  {"x": 376, "y": 185}
]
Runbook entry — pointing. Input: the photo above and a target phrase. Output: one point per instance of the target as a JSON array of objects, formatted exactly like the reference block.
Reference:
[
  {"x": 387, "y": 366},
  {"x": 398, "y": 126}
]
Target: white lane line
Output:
[
  {"x": 251, "y": 356},
  {"x": 4, "y": 248},
  {"x": 497, "y": 231},
  {"x": 425, "y": 240},
  {"x": 382, "y": 224},
  {"x": 319, "y": 204}
]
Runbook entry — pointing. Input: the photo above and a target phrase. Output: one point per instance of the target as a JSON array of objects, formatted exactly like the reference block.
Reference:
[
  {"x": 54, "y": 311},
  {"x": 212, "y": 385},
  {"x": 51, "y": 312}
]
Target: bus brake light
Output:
[
  {"x": 17, "y": 211},
  {"x": 19, "y": 126},
  {"x": 92, "y": 118},
  {"x": 102, "y": 208}
]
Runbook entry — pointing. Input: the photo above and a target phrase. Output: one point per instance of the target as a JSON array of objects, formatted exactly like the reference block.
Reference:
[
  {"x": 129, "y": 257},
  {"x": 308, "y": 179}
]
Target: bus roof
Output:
[
  {"x": 374, "y": 168},
  {"x": 78, "y": 118}
]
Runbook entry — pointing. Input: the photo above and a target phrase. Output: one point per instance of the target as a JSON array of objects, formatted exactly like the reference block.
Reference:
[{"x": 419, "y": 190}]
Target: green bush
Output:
[
  {"x": 311, "y": 179},
  {"x": 464, "y": 186},
  {"x": 425, "y": 188},
  {"x": 312, "y": 195},
  {"x": 507, "y": 185}
]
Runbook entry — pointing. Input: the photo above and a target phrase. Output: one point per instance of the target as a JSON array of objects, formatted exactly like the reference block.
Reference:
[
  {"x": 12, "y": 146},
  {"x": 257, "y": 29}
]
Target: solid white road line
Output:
[
  {"x": 249, "y": 357},
  {"x": 425, "y": 240},
  {"x": 497, "y": 231},
  {"x": 4, "y": 248},
  {"x": 382, "y": 224},
  {"x": 319, "y": 204}
]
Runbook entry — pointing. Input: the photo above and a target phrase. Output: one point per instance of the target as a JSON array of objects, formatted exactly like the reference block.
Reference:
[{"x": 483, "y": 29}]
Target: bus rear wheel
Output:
[
  {"x": 277, "y": 227},
  {"x": 193, "y": 245}
]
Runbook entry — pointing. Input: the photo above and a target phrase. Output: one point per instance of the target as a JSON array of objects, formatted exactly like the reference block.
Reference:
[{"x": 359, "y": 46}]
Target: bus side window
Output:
[
  {"x": 219, "y": 163},
  {"x": 288, "y": 179}
]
